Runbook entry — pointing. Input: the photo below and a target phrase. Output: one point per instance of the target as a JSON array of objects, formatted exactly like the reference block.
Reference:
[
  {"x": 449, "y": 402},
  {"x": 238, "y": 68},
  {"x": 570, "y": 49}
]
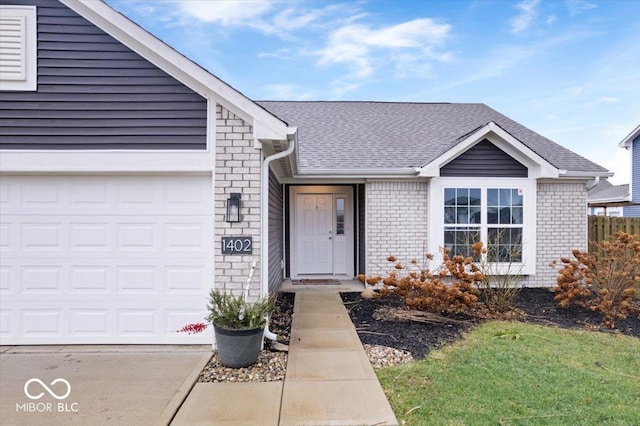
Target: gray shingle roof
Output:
[
  {"x": 392, "y": 135},
  {"x": 604, "y": 190}
]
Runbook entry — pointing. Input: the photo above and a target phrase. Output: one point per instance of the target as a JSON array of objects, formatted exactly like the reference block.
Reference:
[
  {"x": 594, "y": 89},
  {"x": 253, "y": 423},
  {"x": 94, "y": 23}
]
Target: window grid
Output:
[{"x": 471, "y": 215}]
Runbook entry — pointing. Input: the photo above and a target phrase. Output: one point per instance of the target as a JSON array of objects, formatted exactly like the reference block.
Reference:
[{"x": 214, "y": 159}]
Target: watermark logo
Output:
[
  {"x": 47, "y": 388},
  {"x": 59, "y": 389}
]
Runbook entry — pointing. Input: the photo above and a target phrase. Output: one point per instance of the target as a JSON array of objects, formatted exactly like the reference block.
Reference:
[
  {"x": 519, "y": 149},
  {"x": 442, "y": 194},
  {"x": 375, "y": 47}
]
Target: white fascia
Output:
[
  {"x": 538, "y": 166},
  {"x": 581, "y": 175},
  {"x": 265, "y": 125},
  {"x": 106, "y": 161},
  {"x": 628, "y": 140},
  {"x": 399, "y": 173}
]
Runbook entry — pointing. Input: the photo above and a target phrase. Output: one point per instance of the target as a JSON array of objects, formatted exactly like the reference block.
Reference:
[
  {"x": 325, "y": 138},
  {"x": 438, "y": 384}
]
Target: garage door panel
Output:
[
  {"x": 42, "y": 279},
  {"x": 40, "y": 235},
  {"x": 7, "y": 236},
  {"x": 90, "y": 235},
  {"x": 138, "y": 279},
  {"x": 92, "y": 279},
  {"x": 104, "y": 259},
  {"x": 185, "y": 279},
  {"x": 90, "y": 322},
  {"x": 42, "y": 193},
  {"x": 6, "y": 281}
]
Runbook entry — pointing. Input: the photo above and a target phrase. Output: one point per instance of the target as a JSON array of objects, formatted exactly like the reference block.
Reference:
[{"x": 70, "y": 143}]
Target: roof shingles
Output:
[{"x": 392, "y": 135}]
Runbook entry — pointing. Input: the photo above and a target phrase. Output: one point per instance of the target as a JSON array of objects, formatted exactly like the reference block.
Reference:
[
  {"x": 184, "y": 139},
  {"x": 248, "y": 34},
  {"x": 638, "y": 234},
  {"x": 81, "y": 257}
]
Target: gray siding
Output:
[
  {"x": 634, "y": 211},
  {"x": 95, "y": 93},
  {"x": 484, "y": 160},
  {"x": 276, "y": 243}
]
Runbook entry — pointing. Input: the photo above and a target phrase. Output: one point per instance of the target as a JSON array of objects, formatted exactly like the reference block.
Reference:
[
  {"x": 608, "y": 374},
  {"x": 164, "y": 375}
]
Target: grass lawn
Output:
[{"x": 521, "y": 374}]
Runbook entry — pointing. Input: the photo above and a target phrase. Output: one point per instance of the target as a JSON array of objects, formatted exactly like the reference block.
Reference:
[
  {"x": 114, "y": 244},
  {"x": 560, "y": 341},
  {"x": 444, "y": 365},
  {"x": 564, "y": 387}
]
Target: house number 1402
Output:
[{"x": 237, "y": 245}]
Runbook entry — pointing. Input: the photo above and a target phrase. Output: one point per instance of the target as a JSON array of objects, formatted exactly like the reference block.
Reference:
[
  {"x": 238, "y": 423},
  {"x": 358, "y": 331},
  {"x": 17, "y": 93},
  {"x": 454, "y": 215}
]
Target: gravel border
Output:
[{"x": 272, "y": 366}]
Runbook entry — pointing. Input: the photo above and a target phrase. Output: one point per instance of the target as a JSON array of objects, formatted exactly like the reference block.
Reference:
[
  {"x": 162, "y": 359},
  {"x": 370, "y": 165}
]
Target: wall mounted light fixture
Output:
[{"x": 233, "y": 208}]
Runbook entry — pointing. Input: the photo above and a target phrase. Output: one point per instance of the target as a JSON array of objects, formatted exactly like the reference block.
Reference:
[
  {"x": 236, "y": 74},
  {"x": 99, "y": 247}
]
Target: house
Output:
[
  {"x": 632, "y": 143},
  {"x": 605, "y": 199},
  {"x": 132, "y": 181}
]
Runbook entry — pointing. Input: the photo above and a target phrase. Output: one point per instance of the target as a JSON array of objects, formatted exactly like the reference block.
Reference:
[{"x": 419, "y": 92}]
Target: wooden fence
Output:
[{"x": 601, "y": 227}]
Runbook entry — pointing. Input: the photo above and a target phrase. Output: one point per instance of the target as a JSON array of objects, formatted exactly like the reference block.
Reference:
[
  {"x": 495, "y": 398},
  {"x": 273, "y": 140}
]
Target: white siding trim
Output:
[
  {"x": 18, "y": 48},
  {"x": 436, "y": 211}
]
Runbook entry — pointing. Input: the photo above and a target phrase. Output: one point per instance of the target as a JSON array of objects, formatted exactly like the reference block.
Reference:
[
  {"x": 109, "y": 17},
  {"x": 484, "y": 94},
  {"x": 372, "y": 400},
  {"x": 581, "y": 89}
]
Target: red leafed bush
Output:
[{"x": 604, "y": 281}]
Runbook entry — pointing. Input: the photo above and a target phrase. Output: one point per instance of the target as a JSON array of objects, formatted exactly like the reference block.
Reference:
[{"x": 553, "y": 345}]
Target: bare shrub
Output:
[{"x": 604, "y": 282}]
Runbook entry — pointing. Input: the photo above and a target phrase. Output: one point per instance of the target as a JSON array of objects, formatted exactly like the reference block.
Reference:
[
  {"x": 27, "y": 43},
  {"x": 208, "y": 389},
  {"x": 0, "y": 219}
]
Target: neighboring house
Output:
[
  {"x": 121, "y": 159},
  {"x": 632, "y": 143},
  {"x": 606, "y": 199}
]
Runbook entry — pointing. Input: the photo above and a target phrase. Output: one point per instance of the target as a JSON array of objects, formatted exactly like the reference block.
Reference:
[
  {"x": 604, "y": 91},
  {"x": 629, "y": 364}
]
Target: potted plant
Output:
[{"x": 238, "y": 327}]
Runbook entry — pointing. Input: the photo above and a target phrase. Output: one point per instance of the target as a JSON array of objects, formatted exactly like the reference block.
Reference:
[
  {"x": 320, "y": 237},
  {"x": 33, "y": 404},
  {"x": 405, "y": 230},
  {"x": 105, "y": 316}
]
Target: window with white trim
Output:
[
  {"x": 491, "y": 215},
  {"x": 18, "y": 48},
  {"x": 498, "y": 212}
]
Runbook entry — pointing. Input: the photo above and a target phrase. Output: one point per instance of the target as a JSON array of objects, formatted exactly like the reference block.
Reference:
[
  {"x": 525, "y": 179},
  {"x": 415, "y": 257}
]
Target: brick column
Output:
[{"x": 238, "y": 165}]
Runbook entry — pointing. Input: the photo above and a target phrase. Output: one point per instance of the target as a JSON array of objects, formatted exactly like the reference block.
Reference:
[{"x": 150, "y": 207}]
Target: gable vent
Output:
[
  {"x": 17, "y": 47},
  {"x": 484, "y": 160},
  {"x": 13, "y": 31}
]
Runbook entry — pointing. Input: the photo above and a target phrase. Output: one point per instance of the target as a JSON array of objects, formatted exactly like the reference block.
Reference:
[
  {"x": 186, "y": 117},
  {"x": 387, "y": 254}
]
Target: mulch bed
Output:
[
  {"x": 420, "y": 338},
  {"x": 383, "y": 340}
]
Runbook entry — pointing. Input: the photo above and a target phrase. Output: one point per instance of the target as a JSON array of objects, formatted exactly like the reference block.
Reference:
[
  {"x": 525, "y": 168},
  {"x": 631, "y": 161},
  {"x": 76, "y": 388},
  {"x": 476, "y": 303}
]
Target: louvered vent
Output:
[
  {"x": 18, "y": 48},
  {"x": 13, "y": 36}
]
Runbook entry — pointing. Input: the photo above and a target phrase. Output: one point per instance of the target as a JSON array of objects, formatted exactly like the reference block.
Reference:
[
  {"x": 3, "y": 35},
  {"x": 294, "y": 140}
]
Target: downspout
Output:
[{"x": 264, "y": 226}]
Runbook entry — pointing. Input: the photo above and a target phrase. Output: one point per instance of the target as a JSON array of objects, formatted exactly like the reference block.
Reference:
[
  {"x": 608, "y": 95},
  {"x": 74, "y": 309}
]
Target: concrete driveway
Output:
[{"x": 80, "y": 385}]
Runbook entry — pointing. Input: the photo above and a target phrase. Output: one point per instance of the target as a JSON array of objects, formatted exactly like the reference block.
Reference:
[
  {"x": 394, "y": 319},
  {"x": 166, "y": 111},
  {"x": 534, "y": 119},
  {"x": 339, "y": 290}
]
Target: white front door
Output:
[
  {"x": 322, "y": 231},
  {"x": 315, "y": 233}
]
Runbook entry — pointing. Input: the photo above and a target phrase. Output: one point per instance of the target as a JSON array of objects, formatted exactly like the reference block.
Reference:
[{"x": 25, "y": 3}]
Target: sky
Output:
[{"x": 569, "y": 70}]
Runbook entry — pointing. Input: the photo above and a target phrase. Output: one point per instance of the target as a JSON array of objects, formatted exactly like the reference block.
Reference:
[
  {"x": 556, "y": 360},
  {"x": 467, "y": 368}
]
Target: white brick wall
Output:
[
  {"x": 396, "y": 215},
  {"x": 238, "y": 165},
  {"x": 561, "y": 227}
]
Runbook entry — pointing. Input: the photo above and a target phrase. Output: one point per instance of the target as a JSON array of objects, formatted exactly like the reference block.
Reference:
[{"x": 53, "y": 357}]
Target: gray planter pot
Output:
[{"x": 238, "y": 348}]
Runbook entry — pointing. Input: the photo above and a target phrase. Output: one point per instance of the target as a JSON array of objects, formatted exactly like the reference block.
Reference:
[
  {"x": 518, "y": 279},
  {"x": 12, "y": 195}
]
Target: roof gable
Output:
[
  {"x": 537, "y": 166},
  {"x": 484, "y": 160},
  {"x": 628, "y": 140},
  {"x": 266, "y": 125}
]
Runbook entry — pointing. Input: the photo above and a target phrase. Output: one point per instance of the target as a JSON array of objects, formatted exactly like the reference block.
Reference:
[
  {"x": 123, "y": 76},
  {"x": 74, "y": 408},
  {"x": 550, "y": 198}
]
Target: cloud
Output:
[
  {"x": 288, "y": 91},
  {"x": 356, "y": 45},
  {"x": 608, "y": 100},
  {"x": 526, "y": 16},
  {"x": 335, "y": 36},
  {"x": 578, "y": 6},
  {"x": 227, "y": 13}
]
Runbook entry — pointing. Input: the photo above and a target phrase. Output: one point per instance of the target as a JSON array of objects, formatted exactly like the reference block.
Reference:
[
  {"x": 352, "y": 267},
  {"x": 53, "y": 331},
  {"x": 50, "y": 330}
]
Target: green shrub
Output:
[{"x": 233, "y": 312}]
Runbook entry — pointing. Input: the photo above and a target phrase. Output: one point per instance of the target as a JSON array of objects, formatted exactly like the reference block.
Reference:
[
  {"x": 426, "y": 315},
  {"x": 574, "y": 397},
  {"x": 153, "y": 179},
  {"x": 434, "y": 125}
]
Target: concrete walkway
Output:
[{"x": 329, "y": 379}]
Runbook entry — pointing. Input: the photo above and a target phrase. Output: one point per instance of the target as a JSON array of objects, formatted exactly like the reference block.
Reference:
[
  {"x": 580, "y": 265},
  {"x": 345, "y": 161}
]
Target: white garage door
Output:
[{"x": 104, "y": 259}]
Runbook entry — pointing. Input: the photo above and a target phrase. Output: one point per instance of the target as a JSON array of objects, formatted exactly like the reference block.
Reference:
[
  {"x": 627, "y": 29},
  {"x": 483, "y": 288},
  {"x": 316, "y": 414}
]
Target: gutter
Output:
[
  {"x": 581, "y": 174},
  {"x": 349, "y": 174},
  {"x": 264, "y": 222}
]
